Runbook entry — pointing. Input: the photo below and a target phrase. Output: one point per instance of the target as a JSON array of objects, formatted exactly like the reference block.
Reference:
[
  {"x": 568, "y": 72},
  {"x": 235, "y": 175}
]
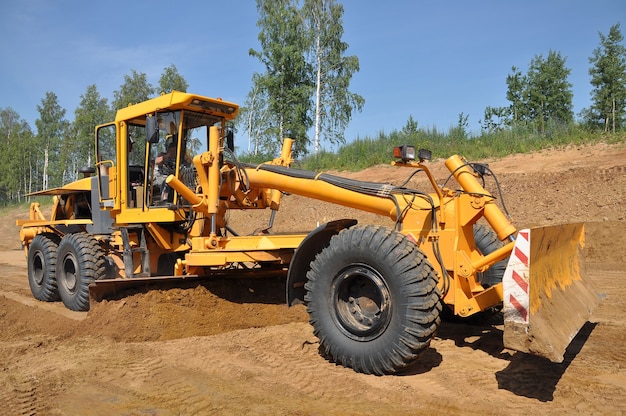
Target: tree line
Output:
[{"x": 542, "y": 96}]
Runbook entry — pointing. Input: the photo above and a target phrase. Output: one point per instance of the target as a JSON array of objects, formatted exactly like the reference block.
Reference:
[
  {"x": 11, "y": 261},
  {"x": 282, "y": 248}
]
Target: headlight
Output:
[{"x": 404, "y": 152}]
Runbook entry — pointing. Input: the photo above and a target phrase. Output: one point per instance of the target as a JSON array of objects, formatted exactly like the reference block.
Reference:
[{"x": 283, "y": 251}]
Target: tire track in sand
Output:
[
  {"x": 20, "y": 395},
  {"x": 156, "y": 382}
]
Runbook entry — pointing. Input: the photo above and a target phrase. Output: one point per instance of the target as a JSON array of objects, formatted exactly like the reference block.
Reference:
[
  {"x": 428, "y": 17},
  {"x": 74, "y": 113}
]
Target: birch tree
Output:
[
  {"x": 255, "y": 118},
  {"x": 91, "y": 111},
  {"x": 332, "y": 72},
  {"x": 51, "y": 126},
  {"x": 16, "y": 147},
  {"x": 286, "y": 81}
]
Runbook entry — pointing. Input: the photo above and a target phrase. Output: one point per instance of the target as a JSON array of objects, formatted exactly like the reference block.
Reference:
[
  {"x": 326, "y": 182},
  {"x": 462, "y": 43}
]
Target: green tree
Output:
[
  {"x": 135, "y": 89},
  {"x": 540, "y": 96},
  {"x": 254, "y": 119},
  {"x": 516, "y": 88},
  {"x": 286, "y": 82},
  {"x": 410, "y": 128},
  {"x": 608, "y": 78},
  {"x": 171, "y": 80},
  {"x": 27, "y": 158},
  {"x": 332, "y": 72},
  {"x": 67, "y": 163},
  {"x": 51, "y": 127},
  {"x": 16, "y": 146},
  {"x": 459, "y": 132},
  {"x": 91, "y": 111},
  {"x": 495, "y": 118},
  {"x": 549, "y": 94}
]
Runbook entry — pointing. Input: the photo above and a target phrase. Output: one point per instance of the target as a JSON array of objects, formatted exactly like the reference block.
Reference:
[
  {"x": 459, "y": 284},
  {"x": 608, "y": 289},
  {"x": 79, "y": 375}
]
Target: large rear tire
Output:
[
  {"x": 487, "y": 242},
  {"x": 80, "y": 261},
  {"x": 42, "y": 259},
  {"x": 373, "y": 300}
]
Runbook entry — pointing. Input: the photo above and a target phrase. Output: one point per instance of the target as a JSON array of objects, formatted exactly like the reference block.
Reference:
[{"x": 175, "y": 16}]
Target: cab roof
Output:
[{"x": 177, "y": 100}]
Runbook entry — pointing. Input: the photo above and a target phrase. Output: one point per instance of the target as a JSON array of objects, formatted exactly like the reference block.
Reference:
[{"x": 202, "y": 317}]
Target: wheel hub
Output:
[
  {"x": 69, "y": 273},
  {"x": 38, "y": 273},
  {"x": 362, "y": 307}
]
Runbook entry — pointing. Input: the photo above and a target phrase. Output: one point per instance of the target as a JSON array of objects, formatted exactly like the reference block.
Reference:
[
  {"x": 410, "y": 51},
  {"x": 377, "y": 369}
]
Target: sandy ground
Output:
[{"x": 233, "y": 347}]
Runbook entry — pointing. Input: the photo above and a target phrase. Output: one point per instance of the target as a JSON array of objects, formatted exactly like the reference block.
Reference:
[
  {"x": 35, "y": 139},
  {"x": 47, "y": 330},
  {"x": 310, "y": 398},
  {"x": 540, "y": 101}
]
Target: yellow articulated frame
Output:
[
  {"x": 455, "y": 216},
  {"x": 265, "y": 248}
]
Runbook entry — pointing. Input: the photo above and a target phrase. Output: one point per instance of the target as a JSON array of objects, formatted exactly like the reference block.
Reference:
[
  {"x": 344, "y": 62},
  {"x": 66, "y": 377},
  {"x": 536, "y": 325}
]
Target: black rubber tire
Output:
[
  {"x": 487, "y": 242},
  {"x": 80, "y": 261},
  {"x": 373, "y": 300},
  {"x": 42, "y": 260}
]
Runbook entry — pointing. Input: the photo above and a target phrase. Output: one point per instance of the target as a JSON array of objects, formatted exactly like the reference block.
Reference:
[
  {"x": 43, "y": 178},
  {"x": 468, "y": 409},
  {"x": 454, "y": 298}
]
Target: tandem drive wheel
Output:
[
  {"x": 80, "y": 261},
  {"x": 42, "y": 259}
]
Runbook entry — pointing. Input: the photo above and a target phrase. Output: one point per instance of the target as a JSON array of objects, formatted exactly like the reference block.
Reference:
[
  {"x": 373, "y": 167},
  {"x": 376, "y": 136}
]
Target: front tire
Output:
[
  {"x": 42, "y": 259},
  {"x": 80, "y": 261},
  {"x": 373, "y": 300}
]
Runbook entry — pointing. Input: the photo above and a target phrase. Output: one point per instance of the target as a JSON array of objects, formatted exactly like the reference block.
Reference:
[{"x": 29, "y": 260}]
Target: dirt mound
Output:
[{"x": 193, "y": 309}]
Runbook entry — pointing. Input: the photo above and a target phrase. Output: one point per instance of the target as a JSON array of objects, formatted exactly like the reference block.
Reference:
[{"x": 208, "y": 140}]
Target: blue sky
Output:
[{"x": 432, "y": 60}]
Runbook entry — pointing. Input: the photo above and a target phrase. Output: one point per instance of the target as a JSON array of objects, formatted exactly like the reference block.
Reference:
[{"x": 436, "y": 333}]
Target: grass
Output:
[
  {"x": 363, "y": 153},
  {"x": 24, "y": 205}
]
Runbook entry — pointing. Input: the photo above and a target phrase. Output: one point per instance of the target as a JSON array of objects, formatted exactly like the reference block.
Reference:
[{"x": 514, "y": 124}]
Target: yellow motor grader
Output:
[{"x": 151, "y": 210}]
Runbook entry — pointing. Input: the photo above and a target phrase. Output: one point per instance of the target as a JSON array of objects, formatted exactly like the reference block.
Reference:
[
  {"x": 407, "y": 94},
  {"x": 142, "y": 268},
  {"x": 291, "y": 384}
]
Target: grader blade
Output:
[{"x": 547, "y": 297}]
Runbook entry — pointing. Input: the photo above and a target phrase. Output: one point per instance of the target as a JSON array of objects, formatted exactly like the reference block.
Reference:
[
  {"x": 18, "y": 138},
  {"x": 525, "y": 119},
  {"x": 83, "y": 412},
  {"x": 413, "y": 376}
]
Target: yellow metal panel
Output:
[
  {"x": 261, "y": 242},
  {"x": 262, "y": 248},
  {"x": 45, "y": 223},
  {"x": 146, "y": 215},
  {"x": 220, "y": 258},
  {"x": 80, "y": 185},
  {"x": 177, "y": 101}
]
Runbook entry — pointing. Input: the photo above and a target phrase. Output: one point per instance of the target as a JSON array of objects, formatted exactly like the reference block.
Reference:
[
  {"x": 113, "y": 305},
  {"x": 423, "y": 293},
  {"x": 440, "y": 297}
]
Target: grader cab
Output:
[{"x": 156, "y": 206}]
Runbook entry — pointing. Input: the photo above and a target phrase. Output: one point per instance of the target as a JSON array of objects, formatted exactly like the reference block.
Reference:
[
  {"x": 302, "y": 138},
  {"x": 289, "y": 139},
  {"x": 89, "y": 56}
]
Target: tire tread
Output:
[{"x": 91, "y": 266}]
